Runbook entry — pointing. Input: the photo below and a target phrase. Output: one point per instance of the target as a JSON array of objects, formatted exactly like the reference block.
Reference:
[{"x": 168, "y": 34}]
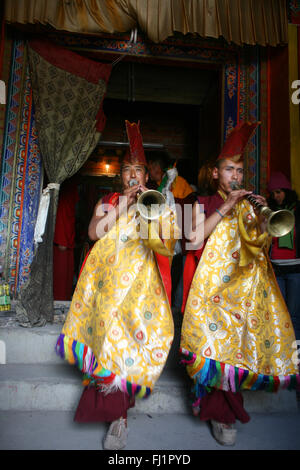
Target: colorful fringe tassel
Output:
[
  {"x": 210, "y": 373},
  {"x": 82, "y": 356}
]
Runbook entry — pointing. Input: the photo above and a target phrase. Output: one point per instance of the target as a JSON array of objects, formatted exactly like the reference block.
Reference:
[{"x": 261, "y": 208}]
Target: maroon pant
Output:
[
  {"x": 224, "y": 407},
  {"x": 95, "y": 405}
]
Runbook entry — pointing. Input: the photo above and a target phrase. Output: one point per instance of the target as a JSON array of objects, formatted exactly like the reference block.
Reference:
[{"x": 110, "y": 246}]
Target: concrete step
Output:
[
  {"x": 33, "y": 377},
  {"x": 58, "y": 387},
  {"x": 30, "y": 345},
  {"x": 37, "y": 345}
]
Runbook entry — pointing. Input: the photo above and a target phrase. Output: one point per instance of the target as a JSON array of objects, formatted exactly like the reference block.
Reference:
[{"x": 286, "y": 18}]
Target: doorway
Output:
[{"x": 179, "y": 109}]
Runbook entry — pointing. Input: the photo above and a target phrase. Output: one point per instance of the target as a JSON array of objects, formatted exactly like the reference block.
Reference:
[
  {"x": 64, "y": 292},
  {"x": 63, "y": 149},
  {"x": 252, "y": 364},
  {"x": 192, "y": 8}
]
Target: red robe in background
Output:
[{"x": 64, "y": 241}]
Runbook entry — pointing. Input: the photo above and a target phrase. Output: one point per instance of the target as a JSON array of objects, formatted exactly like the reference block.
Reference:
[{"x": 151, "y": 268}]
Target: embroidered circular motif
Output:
[
  {"x": 254, "y": 322},
  {"x": 112, "y": 259},
  {"x": 116, "y": 333},
  {"x": 77, "y": 306},
  {"x": 158, "y": 290},
  {"x": 158, "y": 355},
  {"x": 129, "y": 362},
  {"x": 140, "y": 336},
  {"x": 92, "y": 259},
  {"x": 126, "y": 279}
]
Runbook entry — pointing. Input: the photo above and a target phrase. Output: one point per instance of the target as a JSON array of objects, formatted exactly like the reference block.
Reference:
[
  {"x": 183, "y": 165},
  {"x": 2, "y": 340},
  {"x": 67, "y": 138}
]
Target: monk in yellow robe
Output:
[
  {"x": 120, "y": 328},
  {"x": 236, "y": 333}
]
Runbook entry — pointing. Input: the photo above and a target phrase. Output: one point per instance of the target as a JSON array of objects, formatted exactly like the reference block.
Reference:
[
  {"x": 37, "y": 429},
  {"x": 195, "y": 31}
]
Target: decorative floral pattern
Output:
[
  {"x": 236, "y": 315},
  {"x": 121, "y": 313}
]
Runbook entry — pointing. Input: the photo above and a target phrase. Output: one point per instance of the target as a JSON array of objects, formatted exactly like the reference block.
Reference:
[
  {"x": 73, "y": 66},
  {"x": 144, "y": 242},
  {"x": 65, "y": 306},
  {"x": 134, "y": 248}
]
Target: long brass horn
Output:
[
  {"x": 150, "y": 204},
  {"x": 279, "y": 223}
]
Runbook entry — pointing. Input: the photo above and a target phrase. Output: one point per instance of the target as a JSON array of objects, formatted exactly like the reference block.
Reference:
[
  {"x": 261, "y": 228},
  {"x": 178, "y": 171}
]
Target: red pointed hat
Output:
[
  {"x": 136, "y": 154},
  {"x": 237, "y": 141}
]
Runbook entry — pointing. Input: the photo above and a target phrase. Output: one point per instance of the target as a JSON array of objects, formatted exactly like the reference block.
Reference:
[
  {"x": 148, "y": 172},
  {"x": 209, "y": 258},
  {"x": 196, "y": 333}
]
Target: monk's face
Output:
[
  {"x": 227, "y": 172},
  {"x": 133, "y": 172}
]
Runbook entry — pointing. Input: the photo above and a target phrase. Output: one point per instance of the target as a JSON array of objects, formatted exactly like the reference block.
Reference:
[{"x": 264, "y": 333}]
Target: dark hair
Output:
[
  {"x": 160, "y": 157},
  {"x": 290, "y": 198},
  {"x": 217, "y": 163},
  {"x": 206, "y": 184}
]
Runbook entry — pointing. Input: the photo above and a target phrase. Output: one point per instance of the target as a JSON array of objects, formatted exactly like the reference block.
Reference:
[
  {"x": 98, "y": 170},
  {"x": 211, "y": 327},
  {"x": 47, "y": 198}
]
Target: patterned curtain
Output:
[
  {"x": 68, "y": 91},
  {"x": 239, "y": 21}
]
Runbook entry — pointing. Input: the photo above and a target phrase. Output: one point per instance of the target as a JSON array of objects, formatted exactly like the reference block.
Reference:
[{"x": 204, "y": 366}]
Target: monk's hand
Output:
[
  {"x": 260, "y": 200},
  {"x": 234, "y": 197},
  {"x": 131, "y": 194},
  {"x": 142, "y": 188}
]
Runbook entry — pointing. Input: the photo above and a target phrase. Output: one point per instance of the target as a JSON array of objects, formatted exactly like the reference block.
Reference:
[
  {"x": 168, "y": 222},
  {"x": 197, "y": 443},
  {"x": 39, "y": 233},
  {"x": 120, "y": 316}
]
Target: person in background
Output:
[
  {"x": 207, "y": 185},
  {"x": 64, "y": 240},
  {"x": 157, "y": 161},
  {"x": 158, "y": 164},
  {"x": 285, "y": 251},
  {"x": 166, "y": 178}
]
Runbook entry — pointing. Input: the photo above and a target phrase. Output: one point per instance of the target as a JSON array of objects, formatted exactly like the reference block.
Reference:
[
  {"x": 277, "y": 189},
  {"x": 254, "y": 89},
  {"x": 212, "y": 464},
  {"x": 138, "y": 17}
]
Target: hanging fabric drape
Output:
[
  {"x": 262, "y": 22},
  {"x": 68, "y": 91}
]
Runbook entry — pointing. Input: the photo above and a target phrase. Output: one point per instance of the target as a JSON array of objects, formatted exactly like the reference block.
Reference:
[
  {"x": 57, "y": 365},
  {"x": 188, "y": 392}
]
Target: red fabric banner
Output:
[
  {"x": 2, "y": 38},
  {"x": 75, "y": 64},
  {"x": 279, "y": 111},
  {"x": 71, "y": 62},
  {"x": 294, "y": 12}
]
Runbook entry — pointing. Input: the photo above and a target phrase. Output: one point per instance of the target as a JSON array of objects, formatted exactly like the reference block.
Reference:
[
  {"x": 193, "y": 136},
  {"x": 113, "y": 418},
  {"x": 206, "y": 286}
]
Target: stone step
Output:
[
  {"x": 37, "y": 345},
  {"x": 58, "y": 387},
  {"x": 30, "y": 345},
  {"x": 32, "y": 376}
]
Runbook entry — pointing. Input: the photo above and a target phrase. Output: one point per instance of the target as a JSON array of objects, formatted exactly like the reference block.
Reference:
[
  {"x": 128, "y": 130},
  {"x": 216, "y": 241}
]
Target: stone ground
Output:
[{"x": 56, "y": 430}]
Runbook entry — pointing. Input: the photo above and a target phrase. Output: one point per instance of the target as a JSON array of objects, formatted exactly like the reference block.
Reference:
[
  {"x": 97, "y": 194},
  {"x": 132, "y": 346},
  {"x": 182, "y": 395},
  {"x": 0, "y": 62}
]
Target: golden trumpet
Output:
[
  {"x": 279, "y": 223},
  {"x": 150, "y": 204}
]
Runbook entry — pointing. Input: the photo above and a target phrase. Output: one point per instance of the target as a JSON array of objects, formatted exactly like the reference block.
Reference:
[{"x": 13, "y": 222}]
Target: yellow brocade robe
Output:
[
  {"x": 236, "y": 332},
  {"x": 119, "y": 328}
]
